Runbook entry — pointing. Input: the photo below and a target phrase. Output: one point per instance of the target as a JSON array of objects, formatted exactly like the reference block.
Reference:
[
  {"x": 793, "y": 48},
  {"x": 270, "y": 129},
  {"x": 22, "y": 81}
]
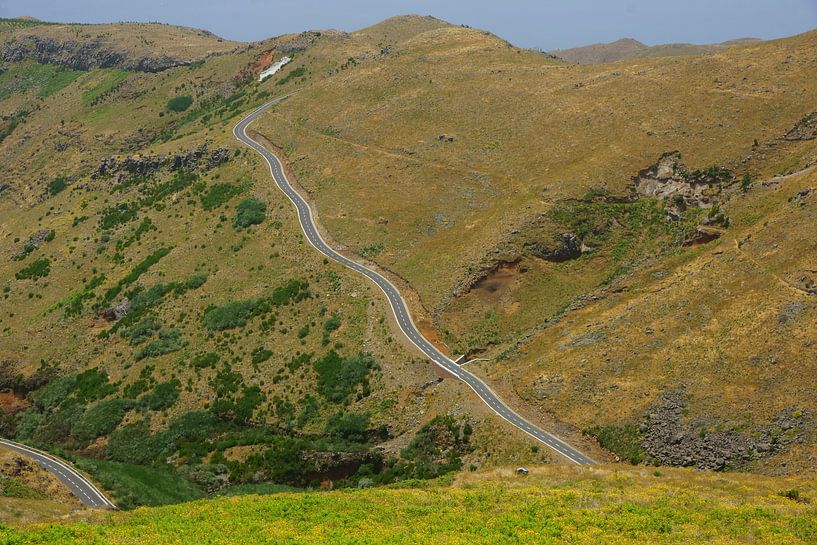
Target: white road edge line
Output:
[{"x": 333, "y": 254}]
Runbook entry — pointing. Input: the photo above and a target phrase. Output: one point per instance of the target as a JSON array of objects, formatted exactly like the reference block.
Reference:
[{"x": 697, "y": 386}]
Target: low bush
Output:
[
  {"x": 179, "y": 103},
  {"x": 625, "y": 441},
  {"x": 339, "y": 377},
  {"x": 101, "y": 419},
  {"x": 163, "y": 396},
  {"x": 218, "y": 194},
  {"x": 35, "y": 270},
  {"x": 250, "y": 212},
  {"x": 57, "y": 185},
  {"x": 170, "y": 340},
  {"x": 233, "y": 314}
]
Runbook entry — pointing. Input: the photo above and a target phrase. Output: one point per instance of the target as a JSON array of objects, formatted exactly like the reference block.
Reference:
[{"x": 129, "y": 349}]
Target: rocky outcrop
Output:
[
  {"x": 805, "y": 129},
  {"x": 670, "y": 179},
  {"x": 669, "y": 440},
  {"x": 297, "y": 44},
  {"x": 567, "y": 246},
  {"x": 81, "y": 55},
  {"x": 116, "y": 311},
  {"x": 147, "y": 165},
  {"x": 34, "y": 242}
]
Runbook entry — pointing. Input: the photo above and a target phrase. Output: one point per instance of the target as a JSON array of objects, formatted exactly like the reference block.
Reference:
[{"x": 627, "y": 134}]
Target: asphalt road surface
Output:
[
  {"x": 397, "y": 303},
  {"x": 82, "y": 488}
]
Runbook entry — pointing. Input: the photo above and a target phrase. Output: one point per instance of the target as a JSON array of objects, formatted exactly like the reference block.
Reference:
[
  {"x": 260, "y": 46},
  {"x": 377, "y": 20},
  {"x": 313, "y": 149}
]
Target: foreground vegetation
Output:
[{"x": 551, "y": 505}]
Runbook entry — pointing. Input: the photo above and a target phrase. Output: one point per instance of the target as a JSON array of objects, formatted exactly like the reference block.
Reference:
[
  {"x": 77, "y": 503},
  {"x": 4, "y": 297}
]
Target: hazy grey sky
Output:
[{"x": 547, "y": 24}]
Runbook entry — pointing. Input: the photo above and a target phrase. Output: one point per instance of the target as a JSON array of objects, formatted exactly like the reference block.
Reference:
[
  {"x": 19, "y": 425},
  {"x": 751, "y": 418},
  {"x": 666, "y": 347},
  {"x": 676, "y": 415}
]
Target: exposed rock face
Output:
[
  {"x": 117, "y": 311},
  {"x": 670, "y": 179},
  {"x": 568, "y": 246},
  {"x": 81, "y": 55},
  {"x": 146, "y": 165},
  {"x": 805, "y": 129},
  {"x": 298, "y": 43},
  {"x": 668, "y": 440}
]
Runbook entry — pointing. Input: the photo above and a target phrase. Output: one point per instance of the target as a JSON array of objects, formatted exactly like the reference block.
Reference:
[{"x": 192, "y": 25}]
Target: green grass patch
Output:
[
  {"x": 179, "y": 103},
  {"x": 625, "y": 441},
  {"x": 218, "y": 194},
  {"x": 35, "y": 270},
  {"x": 112, "y": 78},
  {"x": 134, "y": 485},
  {"x": 250, "y": 212}
]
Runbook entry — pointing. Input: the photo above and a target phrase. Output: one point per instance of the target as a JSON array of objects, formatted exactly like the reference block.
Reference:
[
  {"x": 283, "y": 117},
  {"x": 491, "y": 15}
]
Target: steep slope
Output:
[
  {"x": 627, "y": 48},
  {"x": 549, "y": 505},
  {"x": 132, "y": 46},
  {"x": 163, "y": 320},
  {"x": 506, "y": 199}
]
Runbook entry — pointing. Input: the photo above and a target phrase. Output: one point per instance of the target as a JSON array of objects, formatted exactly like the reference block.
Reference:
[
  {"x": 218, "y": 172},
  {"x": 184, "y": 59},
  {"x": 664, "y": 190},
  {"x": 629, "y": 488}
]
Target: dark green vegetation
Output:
[
  {"x": 35, "y": 270},
  {"x": 293, "y": 74},
  {"x": 179, "y": 103},
  {"x": 625, "y": 441},
  {"x": 250, "y": 212},
  {"x": 135, "y": 485},
  {"x": 13, "y": 488}
]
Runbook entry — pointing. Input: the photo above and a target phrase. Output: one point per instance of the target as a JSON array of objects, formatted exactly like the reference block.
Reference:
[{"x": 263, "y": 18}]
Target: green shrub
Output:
[
  {"x": 296, "y": 73},
  {"x": 260, "y": 355},
  {"x": 92, "y": 384},
  {"x": 196, "y": 281},
  {"x": 143, "y": 330},
  {"x": 338, "y": 377},
  {"x": 218, "y": 194},
  {"x": 250, "y": 212},
  {"x": 208, "y": 359},
  {"x": 349, "y": 427},
  {"x": 625, "y": 441},
  {"x": 12, "y": 488},
  {"x": 372, "y": 250},
  {"x": 57, "y": 185},
  {"x": 134, "y": 444},
  {"x": 179, "y": 103},
  {"x": 101, "y": 419},
  {"x": 163, "y": 396},
  {"x": 136, "y": 485},
  {"x": 170, "y": 340},
  {"x": 35, "y": 270},
  {"x": 233, "y": 314},
  {"x": 293, "y": 290}
]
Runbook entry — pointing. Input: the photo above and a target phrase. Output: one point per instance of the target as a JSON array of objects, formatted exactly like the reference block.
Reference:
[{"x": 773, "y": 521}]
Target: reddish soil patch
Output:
[
  {"x": 11, "y": 403},
  {"x": 430, "y": 333},
  {"x": 497, "y": 282}
]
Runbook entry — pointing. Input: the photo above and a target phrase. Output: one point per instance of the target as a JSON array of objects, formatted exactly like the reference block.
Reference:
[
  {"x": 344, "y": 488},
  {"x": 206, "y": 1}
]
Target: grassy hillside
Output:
[
  {"x": 506, "y": 200},
  {"x": 548, "y": 506},
  {"x": 627, "y": 48},
  {"x": 165, "y": 324}
]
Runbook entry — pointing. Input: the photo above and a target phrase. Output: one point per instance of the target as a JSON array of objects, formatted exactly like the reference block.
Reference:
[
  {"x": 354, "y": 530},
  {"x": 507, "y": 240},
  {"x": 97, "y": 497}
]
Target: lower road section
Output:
[
  {"x": 396, "y": 301},
  {"x": 88, "y": 494}
]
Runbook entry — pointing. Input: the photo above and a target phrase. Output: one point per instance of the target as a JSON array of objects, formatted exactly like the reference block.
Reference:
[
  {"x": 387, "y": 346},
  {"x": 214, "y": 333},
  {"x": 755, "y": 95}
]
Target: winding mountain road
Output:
[
  {"x": 82, "y": 488},
  {"x": 396, "y": 301}
]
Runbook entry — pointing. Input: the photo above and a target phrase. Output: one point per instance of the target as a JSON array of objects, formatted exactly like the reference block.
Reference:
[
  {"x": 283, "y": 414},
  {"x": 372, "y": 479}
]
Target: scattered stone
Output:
[
  {"x": 117, "y": 311},
  {"x": 806, "y": 284},
  {"x": 801, "y": 196},
  {"x": 790, "y": 312},
  {"x": 805, "y": 129},
  {"x": 445, "y": 138},
  {"x": 568, "y": 246},
  {"x": 669, "y": 440},
  {"x": 82, "y": 55},
  {"x": 147, "y": 165},
  {"x": 4, "y": 186},
  {"x": 670, "y": 179}
]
